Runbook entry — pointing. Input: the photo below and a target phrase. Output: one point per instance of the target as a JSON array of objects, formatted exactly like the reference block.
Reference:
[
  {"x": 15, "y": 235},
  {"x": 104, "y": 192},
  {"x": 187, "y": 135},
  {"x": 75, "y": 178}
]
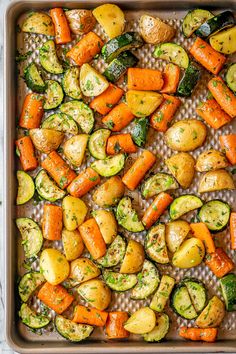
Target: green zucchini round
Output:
[{"x": 215, "y": 214}]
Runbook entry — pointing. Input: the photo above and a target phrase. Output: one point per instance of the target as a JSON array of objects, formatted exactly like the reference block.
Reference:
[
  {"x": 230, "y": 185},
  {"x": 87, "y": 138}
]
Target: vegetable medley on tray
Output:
[{"x": 86, "y": 253}]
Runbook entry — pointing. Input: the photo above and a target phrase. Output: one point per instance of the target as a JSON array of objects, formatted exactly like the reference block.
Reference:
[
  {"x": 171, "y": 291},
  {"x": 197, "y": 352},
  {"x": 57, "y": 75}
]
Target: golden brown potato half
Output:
[
  {"x": 212, "y": 315},
  {"x": 72, "y": 243},
  {"x": 176, "y": 232},
  {"x": 54, "y": 266},
  {"x": 110, "y": 192},
  {"x": 83, "y": 269},
  {"x": 80, "y": 21},
  {"x": 211, "y": 160},
  {"x": 181, "y": 166},
  {"x": 38, "y": 22},
  {"x": 107, "y": 224},
  {"x": 190, "y": 253},
  {"x": 134, "y": 258},
  {"x": 74, "y": 149},
  {"x": 215, "y": 181},
  {"x": 154, "y": 31},
  {"x": 96, "y": 293},
  {"x": 46, "y": 140}
]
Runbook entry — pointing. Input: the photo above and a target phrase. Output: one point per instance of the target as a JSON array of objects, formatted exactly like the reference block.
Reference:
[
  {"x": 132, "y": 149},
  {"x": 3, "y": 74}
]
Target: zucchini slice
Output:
[
  {"x": 47, "y": 188},
  {"x": 160, "y": 330},
  {"x": 97, "y": 143},
  {"x": 119, "y": 44},
  {"x": 215, "y": 214},
  {"x": 92, "y": 83},
  {"x": 194, "y": 19},
  {"x": 162, "y": 294},
  {"x": 70, "y": 83},
  {"x": 189, "y": 80},
  {"x": 48, "y": 58},
  {"x": 183, "y": 205},
  {"x": 182, "y": 304},
  {"x": 74, "y": 332},
  {"x": 54, "y": 94},
  {"x": 25, "y": 189},
  {"x": 38, "y": 22},
  {"x": 160, "y": 182},
  {"x": 109, "y": 166},
  {"x": 81, "y": 113},
  {"x": 224, "y": 41},
  {"x": 29, "y": 283},
  {"x": 119, "y": 282},
  {"x": 127, "y": 216},
  {"x": 231, "y": 77},
  {"x": 197, "y": 293},
  {"x": 155, "y": 244},
  {"x": 173, "y": 53},
  {"x": 61, "y": 122},
  {"x": 217, "y": 23},
  {"x": 34, "y": 79},
  {"x": 119, "y": 66},
  {"x": 139, "y": 131},
  {"x": 228, "y": 287},
  {"x": 31, "y": 319},
  {"x": 148, "y": 281},
  {"x": 32, "y": 238},
  {"x": 115, "y": 253}
]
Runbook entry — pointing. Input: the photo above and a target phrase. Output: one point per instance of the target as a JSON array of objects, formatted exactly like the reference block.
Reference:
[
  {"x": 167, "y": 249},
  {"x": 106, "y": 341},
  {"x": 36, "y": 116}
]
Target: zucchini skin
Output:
[
  {"x": 189, "y": 80},
  {"x": 139, "y": 131},
  {"x": 187, "y": 28},
  {"x": 228, "y": 286},
  {"x": 119, "y": 65},
  {"x": 218, "y": 229},
  {"x": 214, "y": 24},
  {"x": 178, "y": 288},
  {"x": 231, "y": 77},
  {"x": 30, "y": 80}
]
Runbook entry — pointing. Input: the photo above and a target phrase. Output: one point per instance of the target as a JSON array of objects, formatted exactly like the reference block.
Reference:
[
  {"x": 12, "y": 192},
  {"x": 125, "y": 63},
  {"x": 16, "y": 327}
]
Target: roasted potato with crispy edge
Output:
[
  {"x": 72, "y": 244},
  {"x": 211, "y": 160},
  {"x": 134, "y": 258},
  {"x": 38, "y": 22},
  {"x": 83, "y": 269},
  {"x": 74, "y": 212},
  {"x": 107, "y": 224},
  {"x": 74, "y": 149},
  {"x": 176, "y": 232},
  {"x": 80, "y": 21},
  {"x": 181, "y": 166},
  {"x": 96, "y": 293},
  {"x": 215, "y": 181},
  {"x": 46, "y": 140},
  {"x": 154, "y": 31},
  {"x": 110, "y": 192},
  {"x": 212, "y": 315}
]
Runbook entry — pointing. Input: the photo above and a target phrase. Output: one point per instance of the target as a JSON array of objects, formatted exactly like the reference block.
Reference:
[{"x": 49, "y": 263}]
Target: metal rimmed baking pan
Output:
[{"x": 18, "y": 337}]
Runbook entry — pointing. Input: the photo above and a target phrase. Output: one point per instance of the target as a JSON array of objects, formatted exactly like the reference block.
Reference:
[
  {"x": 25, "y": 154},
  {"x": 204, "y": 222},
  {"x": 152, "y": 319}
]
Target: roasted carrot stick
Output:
[
  {"x": 201, "y": 231},
  {"x": 233, "y": 230},
  {"x": 26, "y": 151},
  {"x": 58, "y": 169},
  {"x": 162, "y": 117},
  {"x": 118, "y": 118},
  {"x": 61, "y": 25},
  {"x": 156, "y": 209},
  {"x": 138, "y": 170},
  {"x": 223, "y": 95},
  {"x": 171, "y": 76},
  {"x": 90, "y": 316},
  {"x": 85, "y": 181},
  {"x": 212, "y": 113},
  {"x": 32, "y": 111},
  {"x": 207, "y": 56},
  {"x": 219, "y": 263},
  {"x": 56, "y": 297},
  {"x": 228, "y": 143},
  {"x": 104, "y": 103},
  {"x": 52, "y": 222},
  {"x": 84, "y": 51},
  {"x": 92, "y": 238},
  {"x": 120, "y": 143},
  {"x": 204, "y": 334},
  {"x": 144, "y": 79},
  {"x": 115, "y": 325}
]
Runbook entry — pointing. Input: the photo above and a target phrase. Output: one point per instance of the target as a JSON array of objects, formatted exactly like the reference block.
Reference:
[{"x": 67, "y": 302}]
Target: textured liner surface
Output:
[{"x": 155, "y": 143}]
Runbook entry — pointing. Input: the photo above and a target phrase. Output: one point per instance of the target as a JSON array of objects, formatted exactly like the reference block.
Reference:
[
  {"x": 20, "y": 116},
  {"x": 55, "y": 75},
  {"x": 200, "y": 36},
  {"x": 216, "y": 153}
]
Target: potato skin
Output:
[
  {"x": 181, "y": 165},
  {"x": 54, "y": 266},
  {"x": 212, "y": 315},
  {"x": 74, "y": 149},
  {"x": 46, "y": 140},
  {"x": 72, "y": 243},
  {"x": 186, "y": 135},
  {"x": 96, "y": 293},
  {"x": 154, "y": 31},
  {"x": 190, "y": 254},
  {"x": 211, "y": 160},
  {"x": 176, "y": 232},
  {"x": 110, "y": 192},
  {"x": 215, "y": 181},
  {"x": 134, "y": 258},
  {"x": 80, "y": 21},
  {"x": 83, "y": 269},
  {"x": 107, "y": 224}
]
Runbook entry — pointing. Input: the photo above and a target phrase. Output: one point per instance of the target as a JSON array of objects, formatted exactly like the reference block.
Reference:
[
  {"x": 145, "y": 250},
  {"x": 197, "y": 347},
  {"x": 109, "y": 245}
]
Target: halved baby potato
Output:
[
  {"x": 92, "y": 83},
  {"x": 143, "y": 103},
  {"x": 190, "y": 253},
  {"x": 38, "y": 22},
  {"x": 154, "y": 31},
  {"x": 72, "y": 243},
  {"x": 54, "y": 266},
  {"x": 83, "y": 269},
  {"x": 74, "y": 212},
  {"x": 80, "y": 21},
  {"x": 134, "y": 258},
  {"x": 141, "y": 321},
  {"x": 215, "y": 181},
  {"x": 110, "y": 192},
  {"x": 211, "y": 160},
  {"x": 111, "y": 18},
  {"x": 176, "y": 232},
  {"x": 96, "y": 293},
  {"x": 74, "y": 149},
  {"x": 46, "y": 140},
  {"x": 212, "y": 315},
  {"x": 107, "y": 224},
  {"x": 181, "y": 165}
]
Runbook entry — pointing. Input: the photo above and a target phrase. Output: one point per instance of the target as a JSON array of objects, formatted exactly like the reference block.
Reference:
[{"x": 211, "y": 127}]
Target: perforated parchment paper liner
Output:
[{"x": 17, "y": 334}]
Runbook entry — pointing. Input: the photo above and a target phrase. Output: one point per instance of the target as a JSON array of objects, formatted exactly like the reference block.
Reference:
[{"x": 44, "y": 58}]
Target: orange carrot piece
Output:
[
  {"x": 144, "y": 79},
  {"x": 84, "y": 51},
  {"x": 212, "y": 113},
  {"x": 223, "y": 95},
  {"x": 207, "y": 56},
  {"x": 120, "y": 143},
  {"x": 104, "y": 103},
  {"x": 171, "y": 76},
  {"x": 162, "y": 117},
  {"x": 115, "y": 325},
  {"x": 58, "y": 169},
  {"x": 141, "y": 166},
  {"x": 201, "y": 231},
  {"x": 61, "y": 25},
  {"x": 32, "y": 111},
  {"x": 219, "y": 263},
  {"x": 90, "y": 316},
  {"x": 228, "y": 143},
  {"x": 27, "y": 155},
  {"x": 56, "y": 297},
  {"x": 156, "y": 209},
  {"x": 85, "y": 181},
  {"x": 52, "y": 222},
  {"x": 233, "y": 230},
  {"x": 92, "y": 238},
  {"x": 118, "y": 118},
  {"x": 197, "y": 334}
]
